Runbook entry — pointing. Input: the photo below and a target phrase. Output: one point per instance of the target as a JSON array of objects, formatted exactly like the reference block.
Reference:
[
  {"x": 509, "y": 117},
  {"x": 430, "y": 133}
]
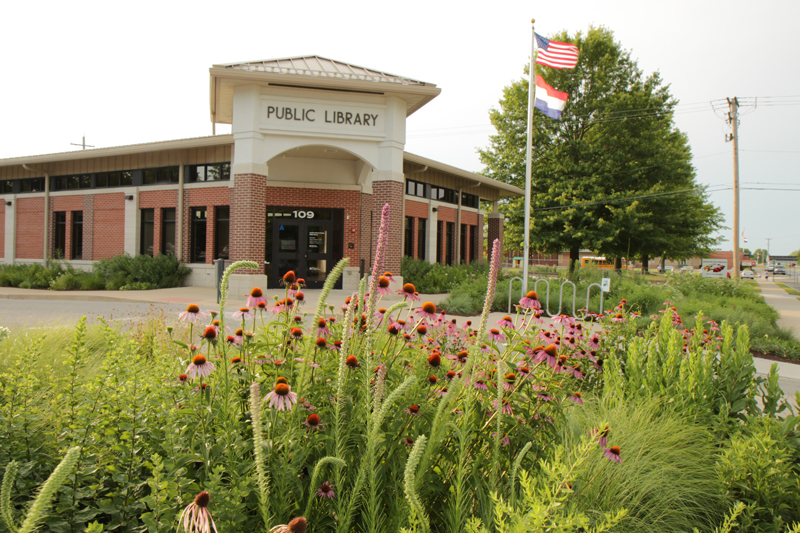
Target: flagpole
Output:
[{"x": 531, "y": 100}]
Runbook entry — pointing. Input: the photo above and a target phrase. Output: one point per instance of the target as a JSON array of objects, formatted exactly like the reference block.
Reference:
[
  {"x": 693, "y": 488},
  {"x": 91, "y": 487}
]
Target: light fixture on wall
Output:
[
  {"x": 8, "y": 202},
  {"x": 129, "y": 197},
  {"x": 435, "y": 209}
]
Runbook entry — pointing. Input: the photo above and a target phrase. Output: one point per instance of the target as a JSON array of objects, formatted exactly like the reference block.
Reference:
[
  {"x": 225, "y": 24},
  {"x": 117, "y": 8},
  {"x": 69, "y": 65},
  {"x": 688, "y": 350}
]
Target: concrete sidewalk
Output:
[{"x": 789, "y": 308}]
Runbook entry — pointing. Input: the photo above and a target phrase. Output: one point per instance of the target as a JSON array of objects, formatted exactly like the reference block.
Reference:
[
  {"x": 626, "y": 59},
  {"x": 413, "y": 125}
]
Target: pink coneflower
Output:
[
  {"x": 564, "y": 320},
  {"x": 435, "y": 360},
  {"x": 313, "y": 421},
  {"x": 422, "y": 330},
  {"x": 297, "y": 525},
  {"x": 495, "y": 335},
  {"x": 210, "y": 333},
  {"x": 296, "y": 333},
  {"x": 505, "y": 322},
  {"x": 549, "y": 354},
  {"x": 300, "y": 298},
  {"x": 510, "y": 379},
  {"x": 388, "y": 275},
  {"x": 428, "y": 310},
  {"x": 255, "y": 297},
  {"x": 191, "y": 314},
  {"x": 412, "y": 410},
  {"x": 575, "y": 370},
  {"x": 351, "y": 361},
  {"x": 506, "y": 410},
  {"x": 282, "y": 398},
  {"x": 408, "y": 441},
  {"x": 322, "y": 328},
  {"x": 619, "y": 317},
  {"x": 601, "y": 436},
  {"x": 195, "y": 517},
  {"x": 182, "y": 378},
  {"x": 433, "y": 380},
  {"x": 480, "y": 384},
  {"x": 576, "y": 397},
  {"x": 243, "y": 313},
  {"x": 293, "y": 289},
  {"x": 409, "y": 292},
  {"x": 200, "y": 367},
  {"x": 289, "y": 278},
  {"x": 383, "y": 286},
  {"x": 321, "y": 343},
  {"x": 236, "y": 360},
  {"x": 613, "y": 454},
  {"x": 594, "y": 342},
  {"x": 337, "y": 345},
  {"x": 530, "y": 301},
  {"x": 326, "y": 491}
]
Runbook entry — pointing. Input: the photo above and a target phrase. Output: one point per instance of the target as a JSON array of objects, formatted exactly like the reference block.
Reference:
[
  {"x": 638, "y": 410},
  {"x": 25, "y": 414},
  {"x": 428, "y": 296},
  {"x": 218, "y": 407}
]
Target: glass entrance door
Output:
[{"x": 303, "y": 246}]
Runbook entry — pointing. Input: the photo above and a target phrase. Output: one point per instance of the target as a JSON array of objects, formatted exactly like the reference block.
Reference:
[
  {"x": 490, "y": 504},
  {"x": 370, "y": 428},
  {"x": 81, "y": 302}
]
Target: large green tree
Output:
[{"x": 614, "y": 174}]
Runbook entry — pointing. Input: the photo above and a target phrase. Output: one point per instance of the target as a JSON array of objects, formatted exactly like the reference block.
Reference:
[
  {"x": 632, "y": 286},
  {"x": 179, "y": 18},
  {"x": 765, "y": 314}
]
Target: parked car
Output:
[
  {"x": 748, "y": 274},
  {"x": 780, "y": 269},
  {"x": 770, "y": 268}
]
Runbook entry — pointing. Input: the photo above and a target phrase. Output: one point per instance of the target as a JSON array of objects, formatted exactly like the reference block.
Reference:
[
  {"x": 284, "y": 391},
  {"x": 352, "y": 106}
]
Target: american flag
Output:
[{"x": 555, "y": 54}]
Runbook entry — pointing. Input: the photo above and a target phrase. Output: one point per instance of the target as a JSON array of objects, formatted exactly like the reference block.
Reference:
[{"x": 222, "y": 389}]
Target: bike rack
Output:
[
  {"x": 561, "y": 296},
  {"x": 511, "y": 284},
  {"x": 546, "y": 307},
  {"x": 588, "y": 295}
]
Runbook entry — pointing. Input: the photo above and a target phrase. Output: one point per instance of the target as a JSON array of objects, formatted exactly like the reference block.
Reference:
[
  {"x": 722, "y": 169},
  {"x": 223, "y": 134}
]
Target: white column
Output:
[
  {"x": 11, "y": 230},
  {"x": 132, "y": 221},
  {"x": 430, "y": 249}
]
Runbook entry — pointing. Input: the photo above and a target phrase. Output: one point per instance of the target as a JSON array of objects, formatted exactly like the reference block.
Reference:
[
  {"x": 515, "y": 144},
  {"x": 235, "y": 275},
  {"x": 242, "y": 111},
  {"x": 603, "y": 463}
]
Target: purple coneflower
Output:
[
  {"x": 428, "y": 310},
  {"x": 506, "y": 410},
  {"x": 412, "y": 410},
  {"x": 505, "y": 322},
  {"x": 182, "y": 378},
  {"x": 383, "y": 286},
  {"x": 313, "y": 421},
  {"x": 191, "y": 314},
  {"x": 510, "y": 379},
  {"x": 601, "y": 436},
  {"x": 200, "y": 367},
  {"x": 619, "y": 317},
  {"x": 322, "y": 328},
  {"x": 594, "y": 342},
  {"x": 243, "y": 313},
  {"x": 297, "y": 525},
  {"x": 530, "y": 301},
  {"x": 505, "y": 442},
  {"x": 480, "y": 384},
  {"x": 564, "y": 320},
  {"x": 255, "y": 297},
  {"x": 576, "y": 397},
  {"x": 409, "y": 292},
  {"x": 388, "y": 275},
  {"x": 326, "y": 491},
  {"x": 495, "y": 335},
  {"x": 196, "y": 517},
  {"x": 613, "y": 454},
  {"x": 282, "y": 398},
  {"x": 408, "y": 441}
]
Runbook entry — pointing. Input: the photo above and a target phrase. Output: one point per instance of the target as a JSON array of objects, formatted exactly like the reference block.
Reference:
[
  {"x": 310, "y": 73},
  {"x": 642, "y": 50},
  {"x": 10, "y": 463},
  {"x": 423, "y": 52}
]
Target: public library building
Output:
[{"x": 316, "y": 150}]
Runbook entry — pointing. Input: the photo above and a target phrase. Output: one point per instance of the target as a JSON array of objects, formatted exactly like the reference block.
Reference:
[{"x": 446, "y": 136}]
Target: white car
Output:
[{"x": 747, "y": 274}]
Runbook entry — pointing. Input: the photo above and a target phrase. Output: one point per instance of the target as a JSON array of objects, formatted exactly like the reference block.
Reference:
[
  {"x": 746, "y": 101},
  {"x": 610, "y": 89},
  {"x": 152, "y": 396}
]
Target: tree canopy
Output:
[{"x": 614, "y": 174}]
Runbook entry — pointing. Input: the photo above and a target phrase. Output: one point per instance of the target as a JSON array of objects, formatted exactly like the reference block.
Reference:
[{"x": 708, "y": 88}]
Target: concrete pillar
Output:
[
  {"x": 479, "y": 229},
  {"x": 10, "y": 241},
  {"x": 132, "y": 222},
  {"x": 430, "y": 248},
  {"x": 88, "y": 227}
]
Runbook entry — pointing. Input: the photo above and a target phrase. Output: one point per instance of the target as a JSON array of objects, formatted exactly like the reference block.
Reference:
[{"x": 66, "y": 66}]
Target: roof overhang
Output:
[
  {"x": 224, "y": 80},
  {"x": 180, "y": 144},
  {"x": 478, "y": 179}
]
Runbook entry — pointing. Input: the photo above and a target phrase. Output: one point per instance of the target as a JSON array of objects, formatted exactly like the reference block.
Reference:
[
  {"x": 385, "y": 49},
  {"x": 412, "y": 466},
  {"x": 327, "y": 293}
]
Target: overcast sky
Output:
[{"x": 124, "y": 73}]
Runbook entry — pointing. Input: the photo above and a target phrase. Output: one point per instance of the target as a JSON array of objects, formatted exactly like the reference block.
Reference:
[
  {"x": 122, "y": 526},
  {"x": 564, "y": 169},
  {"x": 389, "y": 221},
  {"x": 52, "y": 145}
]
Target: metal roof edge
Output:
[
  {"x": 483, "y": 180},
  {"x": 178, "y": 144}
]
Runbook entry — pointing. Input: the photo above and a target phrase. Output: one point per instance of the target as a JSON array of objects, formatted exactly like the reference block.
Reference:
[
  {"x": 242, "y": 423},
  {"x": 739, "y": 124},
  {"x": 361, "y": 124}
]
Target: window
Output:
[
  {"x": 463, "y": 243},
  {"x": 6, "y": 187},
  {"x": 421, "y": 236},
  {"x": 32, "y": 185},
  {"x": 222, "y": 232},
  {"x": 470, "y": 200},
  {"x": 408, "y": 248},
  {"x": 60, "y": 237},
  {"x": 451, "y": 230},
  {"x": 168, "y": 231},
  {"x": 415, "y": 188},
  {"x": 439, "y": 240},
  {"x": 148, "y": 225},
  {"x": 215, "y": 172},
  {"x": 198, "y": 235},
  {"x": 473, "y": 244},
  {"x": 160, "y": 175},
  {"x": 77, "y": 235}
]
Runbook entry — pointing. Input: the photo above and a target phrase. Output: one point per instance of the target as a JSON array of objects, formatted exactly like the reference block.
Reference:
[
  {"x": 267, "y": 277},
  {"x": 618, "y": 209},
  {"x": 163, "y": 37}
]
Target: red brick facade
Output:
[
  {"x": 68, "y": 204},
  {"x": 417, "y": 210},
  {"x": 209, "y": 198},
  {"x": 248, "y": 220},
  {"x": 30, "y": 228},
  {"x": 109, "y": 226},
  {"x": 388, "y": 192},
  {"x": 158, "y": 201},
  {"x": 495, "y": 232}
]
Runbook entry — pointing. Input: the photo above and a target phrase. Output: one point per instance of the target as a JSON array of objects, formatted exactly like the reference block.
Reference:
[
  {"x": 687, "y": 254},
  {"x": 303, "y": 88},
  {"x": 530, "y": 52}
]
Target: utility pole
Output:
[
  {"x": 767, "y": 258},
  {"x": 733, "y": 119},
  {"x": 83, "y": 144}
]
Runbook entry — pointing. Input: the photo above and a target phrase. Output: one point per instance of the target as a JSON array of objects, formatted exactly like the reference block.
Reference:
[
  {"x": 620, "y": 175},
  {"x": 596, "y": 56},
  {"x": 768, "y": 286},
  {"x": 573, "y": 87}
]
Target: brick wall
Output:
[
  {"x": 480, "y": 238},
  {"x": 389, "y": 192},
  {"x": 365, "y": 232},
  {"x": 2, "y": 228},
  {"x": 495, "y": 232},
  {"x": 417, "y": 210},
  {"x": 108, "y": 226},
  {"x": 88, "y": 226},
  {"x": 248, "y": 220},
  {"x": 30, "y": 228}
]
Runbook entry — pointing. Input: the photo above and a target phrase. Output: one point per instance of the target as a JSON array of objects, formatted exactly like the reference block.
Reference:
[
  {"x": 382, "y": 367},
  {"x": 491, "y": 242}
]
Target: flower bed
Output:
[{"x": 396, "y": 419}]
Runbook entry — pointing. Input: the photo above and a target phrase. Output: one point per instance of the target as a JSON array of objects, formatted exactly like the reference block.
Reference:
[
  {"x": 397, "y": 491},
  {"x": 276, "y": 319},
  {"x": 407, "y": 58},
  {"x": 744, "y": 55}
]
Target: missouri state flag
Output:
[{"x": 548, "y": 100}]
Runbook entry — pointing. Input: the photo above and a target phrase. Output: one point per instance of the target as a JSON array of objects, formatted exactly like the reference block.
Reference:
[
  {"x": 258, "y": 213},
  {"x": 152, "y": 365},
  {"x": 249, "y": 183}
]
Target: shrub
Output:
[
  {"x": 757, "y": 469},
  {"x": 142, "y": 271}
]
